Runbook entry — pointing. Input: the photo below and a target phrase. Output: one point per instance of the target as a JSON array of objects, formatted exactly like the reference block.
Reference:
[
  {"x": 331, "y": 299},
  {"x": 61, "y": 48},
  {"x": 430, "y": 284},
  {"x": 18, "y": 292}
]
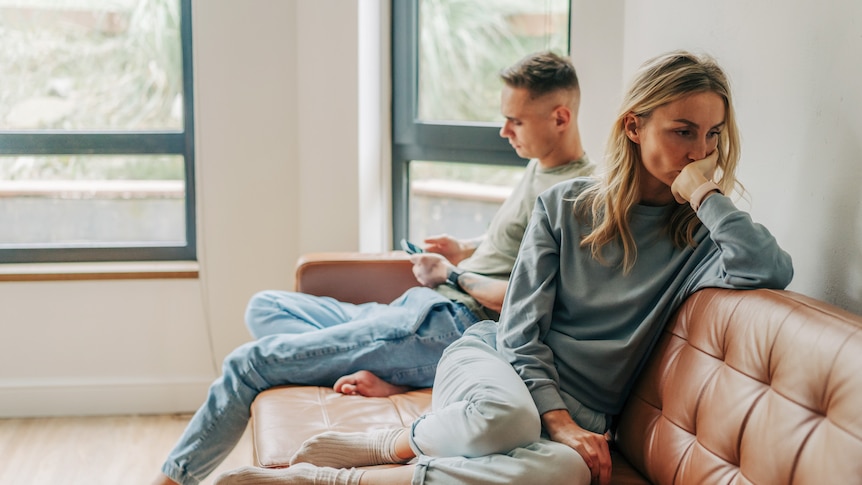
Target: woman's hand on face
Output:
[{"x": 693, "y": 176}]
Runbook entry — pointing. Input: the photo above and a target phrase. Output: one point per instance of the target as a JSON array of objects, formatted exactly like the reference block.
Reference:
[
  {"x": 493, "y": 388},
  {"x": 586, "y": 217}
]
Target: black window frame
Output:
[
  {"x": 119, "y": 143},
  {"x": 415, "y": 139}
]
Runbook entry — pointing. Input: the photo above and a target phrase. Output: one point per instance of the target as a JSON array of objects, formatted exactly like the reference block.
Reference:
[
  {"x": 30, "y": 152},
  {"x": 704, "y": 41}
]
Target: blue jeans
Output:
[{"x": 314, "y": 341}]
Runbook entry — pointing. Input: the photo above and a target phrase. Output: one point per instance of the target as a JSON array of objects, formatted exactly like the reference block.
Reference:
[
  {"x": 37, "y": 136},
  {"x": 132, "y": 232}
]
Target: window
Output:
[
  {"x": 96, "y": 131},
  {"x": 451, "y": 170}
]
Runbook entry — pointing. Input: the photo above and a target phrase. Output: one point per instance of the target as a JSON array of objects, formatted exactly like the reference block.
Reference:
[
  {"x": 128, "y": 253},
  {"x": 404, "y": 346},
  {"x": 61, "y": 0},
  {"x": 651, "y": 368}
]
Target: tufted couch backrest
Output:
[{"x": 750, "y": 387}]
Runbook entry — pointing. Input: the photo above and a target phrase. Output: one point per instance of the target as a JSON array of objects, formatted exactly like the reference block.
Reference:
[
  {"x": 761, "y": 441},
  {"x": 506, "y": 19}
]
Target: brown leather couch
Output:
[{"x": 745, "y": 387}]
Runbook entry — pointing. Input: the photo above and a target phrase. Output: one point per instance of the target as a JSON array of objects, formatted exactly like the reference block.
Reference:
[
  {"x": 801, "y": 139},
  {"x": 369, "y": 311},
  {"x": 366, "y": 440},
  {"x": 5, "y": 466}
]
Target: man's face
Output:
[{"x": 530, "y": 125}]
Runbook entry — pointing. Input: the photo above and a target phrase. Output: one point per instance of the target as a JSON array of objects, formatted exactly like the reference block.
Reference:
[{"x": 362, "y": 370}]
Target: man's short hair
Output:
[{"x": 542, "y": 73}]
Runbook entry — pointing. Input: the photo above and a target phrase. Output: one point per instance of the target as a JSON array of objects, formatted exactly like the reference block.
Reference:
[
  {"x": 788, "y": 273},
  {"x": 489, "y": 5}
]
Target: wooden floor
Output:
[{"x": 112, "y": 450}]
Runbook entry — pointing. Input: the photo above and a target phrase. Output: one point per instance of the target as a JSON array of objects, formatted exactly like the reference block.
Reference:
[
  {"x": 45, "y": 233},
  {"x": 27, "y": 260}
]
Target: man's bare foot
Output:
[
  {"x": 367, "y": 384},
  {"x": 163, "y": 480}
]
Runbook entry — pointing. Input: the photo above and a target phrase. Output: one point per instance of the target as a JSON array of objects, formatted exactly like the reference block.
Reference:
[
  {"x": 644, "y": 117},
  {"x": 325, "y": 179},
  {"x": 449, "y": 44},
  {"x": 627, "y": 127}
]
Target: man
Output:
[{"x": 376, "y": 349}]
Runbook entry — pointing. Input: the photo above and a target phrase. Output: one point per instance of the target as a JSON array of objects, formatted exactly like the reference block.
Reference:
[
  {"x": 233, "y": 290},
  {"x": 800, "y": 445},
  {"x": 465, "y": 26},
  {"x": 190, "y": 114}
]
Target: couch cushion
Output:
[
  {"x": 754, "y": 387},
  {"x": 284, "y": 417}
]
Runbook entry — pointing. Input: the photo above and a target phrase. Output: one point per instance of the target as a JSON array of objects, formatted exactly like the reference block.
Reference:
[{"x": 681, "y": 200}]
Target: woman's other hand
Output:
[{"x": 592, "y": 447}]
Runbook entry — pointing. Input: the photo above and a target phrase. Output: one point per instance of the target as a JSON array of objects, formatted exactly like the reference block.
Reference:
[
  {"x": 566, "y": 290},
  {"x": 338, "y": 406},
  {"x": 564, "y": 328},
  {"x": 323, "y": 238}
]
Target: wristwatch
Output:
[{"x": 452, "y": 279}]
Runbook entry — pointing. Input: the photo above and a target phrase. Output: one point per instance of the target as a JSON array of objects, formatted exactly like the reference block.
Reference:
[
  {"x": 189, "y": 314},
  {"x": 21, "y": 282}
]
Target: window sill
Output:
[{"x": 99, "y": 271}]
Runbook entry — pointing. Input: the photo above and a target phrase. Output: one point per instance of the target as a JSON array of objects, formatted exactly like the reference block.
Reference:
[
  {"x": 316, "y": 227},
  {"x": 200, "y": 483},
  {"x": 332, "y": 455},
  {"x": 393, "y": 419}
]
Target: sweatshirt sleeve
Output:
[
  {"x": 527, "y": 312},
  {"x": 748, "y": 255}
]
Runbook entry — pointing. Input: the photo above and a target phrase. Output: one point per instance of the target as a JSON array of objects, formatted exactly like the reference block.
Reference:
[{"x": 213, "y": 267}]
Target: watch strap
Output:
[{"x": 452, "y": 278}]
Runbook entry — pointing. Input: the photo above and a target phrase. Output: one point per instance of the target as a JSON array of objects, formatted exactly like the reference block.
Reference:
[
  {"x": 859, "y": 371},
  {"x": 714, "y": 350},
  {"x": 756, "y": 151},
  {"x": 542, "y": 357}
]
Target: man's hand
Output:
[
  {"x": 592, "y": 447},
  {"x": 430, "y": 269},
  {"x": 693, "y": 176},
  {"x": 366, "y": 384},
  {"x": 450, "y": 248}
]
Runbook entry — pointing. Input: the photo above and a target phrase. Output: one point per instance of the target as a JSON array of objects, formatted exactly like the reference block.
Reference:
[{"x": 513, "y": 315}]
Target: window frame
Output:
[
  {"x": 157, "y": 142},
  {"x": 415, "y": 139}
]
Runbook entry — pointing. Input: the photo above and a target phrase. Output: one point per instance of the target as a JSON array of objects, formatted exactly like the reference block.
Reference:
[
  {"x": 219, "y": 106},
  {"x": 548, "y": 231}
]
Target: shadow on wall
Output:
[
  {"x": 829, "y": 186},
  {"x": 841, "y": 241}
]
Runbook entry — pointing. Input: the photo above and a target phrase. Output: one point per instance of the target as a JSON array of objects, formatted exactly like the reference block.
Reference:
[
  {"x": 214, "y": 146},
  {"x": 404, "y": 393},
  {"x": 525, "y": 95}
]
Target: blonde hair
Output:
[{"x": 607, "y": 205}]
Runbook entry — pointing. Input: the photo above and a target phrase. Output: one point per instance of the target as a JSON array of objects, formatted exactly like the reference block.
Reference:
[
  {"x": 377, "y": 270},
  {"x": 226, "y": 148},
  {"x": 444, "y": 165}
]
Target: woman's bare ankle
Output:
[{"x": 402, "y": 447}]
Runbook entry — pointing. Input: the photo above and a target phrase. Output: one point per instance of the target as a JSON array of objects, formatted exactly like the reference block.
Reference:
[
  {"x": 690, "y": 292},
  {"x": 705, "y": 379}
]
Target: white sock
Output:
[
  {"x": 300, "y": 474},
  {"x": 342, "y": 450}
]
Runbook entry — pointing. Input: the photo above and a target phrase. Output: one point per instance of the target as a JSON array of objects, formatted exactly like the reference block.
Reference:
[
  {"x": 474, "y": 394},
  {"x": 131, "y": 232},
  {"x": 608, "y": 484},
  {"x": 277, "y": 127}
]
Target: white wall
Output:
[
  {"x": 795, "y": 71},
  {"x": 279, "y": 90},
  {"x": 277, "y": 168}
]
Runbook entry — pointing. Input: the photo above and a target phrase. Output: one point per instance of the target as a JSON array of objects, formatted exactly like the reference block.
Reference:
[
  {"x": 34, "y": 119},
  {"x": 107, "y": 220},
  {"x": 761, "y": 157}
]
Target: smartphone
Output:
[{"x": 410, "y": 248}]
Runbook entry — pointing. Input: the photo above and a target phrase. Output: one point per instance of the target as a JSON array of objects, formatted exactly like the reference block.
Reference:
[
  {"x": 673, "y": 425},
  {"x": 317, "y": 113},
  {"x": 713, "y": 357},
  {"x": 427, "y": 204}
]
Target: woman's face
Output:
[{"x": 673, "y": 136}]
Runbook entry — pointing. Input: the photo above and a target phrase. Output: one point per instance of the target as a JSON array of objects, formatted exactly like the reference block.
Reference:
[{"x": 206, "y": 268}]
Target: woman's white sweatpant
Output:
[{"x": 484, "y": 427}]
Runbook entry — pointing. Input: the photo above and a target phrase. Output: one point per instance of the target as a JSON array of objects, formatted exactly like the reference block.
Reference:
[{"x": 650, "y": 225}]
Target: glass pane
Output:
[
  {"x": 92, "y": 201},
  {"x": 458, "y": 199},
  {"x": 90, "y": 65},
  {"x": 464, "y": 44}
]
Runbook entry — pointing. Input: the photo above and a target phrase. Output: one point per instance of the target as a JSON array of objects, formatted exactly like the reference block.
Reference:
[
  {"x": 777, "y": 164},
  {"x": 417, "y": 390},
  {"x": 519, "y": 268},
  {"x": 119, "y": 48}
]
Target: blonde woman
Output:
[{"x": 601, "y": 268}]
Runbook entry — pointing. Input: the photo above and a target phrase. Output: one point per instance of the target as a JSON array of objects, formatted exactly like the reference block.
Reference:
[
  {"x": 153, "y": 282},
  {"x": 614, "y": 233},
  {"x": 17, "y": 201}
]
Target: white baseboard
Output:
[{"x": 83, "y": 398}]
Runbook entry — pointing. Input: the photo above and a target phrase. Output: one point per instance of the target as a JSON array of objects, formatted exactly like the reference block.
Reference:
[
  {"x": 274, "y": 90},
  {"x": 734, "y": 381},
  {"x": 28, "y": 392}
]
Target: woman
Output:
[{"x": 602, "y": 266}]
